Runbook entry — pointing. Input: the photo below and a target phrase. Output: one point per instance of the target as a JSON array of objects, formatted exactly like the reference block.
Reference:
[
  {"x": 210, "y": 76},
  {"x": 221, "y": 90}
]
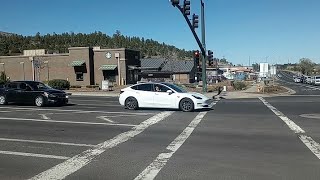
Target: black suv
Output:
[{"x": 31, "y": 92}]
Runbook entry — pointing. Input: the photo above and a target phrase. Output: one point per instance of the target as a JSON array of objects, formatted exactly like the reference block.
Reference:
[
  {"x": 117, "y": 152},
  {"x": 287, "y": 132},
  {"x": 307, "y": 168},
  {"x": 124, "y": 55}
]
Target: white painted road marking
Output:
[
  {"x": 155, "y": 167},
  {"x": 105, "y": 118},
  {"x": 46, "y": 142},
  {"x": 307, "y": 140},
  {"x": 66, "y": 122},
  {"x": 98, "y": 105},
  {"x": 75, "y": 163},
  {"x": 4, "y": 111},
  {"x": 44, "y": 116},
  {"x": 33, "y": 155},
  {"x": 74, "y": 111}
]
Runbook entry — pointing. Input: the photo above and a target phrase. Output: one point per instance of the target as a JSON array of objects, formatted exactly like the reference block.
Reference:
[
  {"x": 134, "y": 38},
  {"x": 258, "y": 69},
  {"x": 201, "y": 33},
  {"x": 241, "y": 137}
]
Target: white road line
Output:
[
  {"x": 44, "y": 116},
  {"x": 33, "y": 155},
  {"x": 105, "y": 118},
  {"x": 155, "y": 167},
  {"x": 46, "y": 142},
  {"x": 66, "y": 122},
  {"x": 75, "y": 163},
  {"x": 75, "y": 111},
  {"x": 86, "y": 100},
  {"x": 4, "y": 111},
  {"x": 307, "y": 140},
  {"x": 98, "y": 105}
]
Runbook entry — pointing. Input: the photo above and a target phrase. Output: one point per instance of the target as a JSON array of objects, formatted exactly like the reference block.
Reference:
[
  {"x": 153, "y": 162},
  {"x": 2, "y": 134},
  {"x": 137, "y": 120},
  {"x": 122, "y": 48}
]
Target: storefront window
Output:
[{"x": 79, "y": 76}]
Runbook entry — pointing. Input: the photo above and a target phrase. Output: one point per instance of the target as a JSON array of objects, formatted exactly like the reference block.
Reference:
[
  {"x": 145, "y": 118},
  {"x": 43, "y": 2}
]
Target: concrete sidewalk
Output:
[{"x": 251, "y": 92}]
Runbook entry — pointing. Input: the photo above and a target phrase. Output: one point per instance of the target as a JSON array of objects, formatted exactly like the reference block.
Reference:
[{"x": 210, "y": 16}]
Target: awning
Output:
[
  {"x": 108, "y": 67},
  {"x": 77, "y": 63}
]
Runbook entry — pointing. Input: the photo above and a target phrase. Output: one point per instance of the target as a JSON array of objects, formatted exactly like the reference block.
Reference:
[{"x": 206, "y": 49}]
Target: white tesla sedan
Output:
[{"x": 162, "y": 95}]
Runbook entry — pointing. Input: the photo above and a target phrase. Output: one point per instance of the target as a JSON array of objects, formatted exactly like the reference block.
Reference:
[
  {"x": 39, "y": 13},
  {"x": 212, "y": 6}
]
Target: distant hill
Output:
[
  {"x": 61, "y": 42},
  {"x": 6, "y": 33}
]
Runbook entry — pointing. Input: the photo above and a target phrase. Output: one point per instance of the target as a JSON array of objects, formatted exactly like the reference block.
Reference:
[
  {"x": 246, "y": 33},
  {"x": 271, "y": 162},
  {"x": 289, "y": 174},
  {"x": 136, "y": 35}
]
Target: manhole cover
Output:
[{"x": 313, "y": 116}]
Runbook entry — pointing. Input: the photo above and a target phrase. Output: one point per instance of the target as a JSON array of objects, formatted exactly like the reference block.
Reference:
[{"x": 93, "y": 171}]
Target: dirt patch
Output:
[{"x": 272, "y": 89}]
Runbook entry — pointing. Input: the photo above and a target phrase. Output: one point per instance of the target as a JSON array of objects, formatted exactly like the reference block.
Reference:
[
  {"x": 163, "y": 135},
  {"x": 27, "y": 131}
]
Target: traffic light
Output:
[
  {"x": 195, "y": 21},
  {"x": 196, "y": 57},
  {"x": 186, "y": 7},
  {"x": 210, "y": 57},
  {"x": 175, "y": 2}
]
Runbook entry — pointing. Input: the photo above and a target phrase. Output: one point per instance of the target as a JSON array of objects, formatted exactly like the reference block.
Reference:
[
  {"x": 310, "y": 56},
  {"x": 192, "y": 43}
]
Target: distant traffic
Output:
[{"x": 312, "y": 80}]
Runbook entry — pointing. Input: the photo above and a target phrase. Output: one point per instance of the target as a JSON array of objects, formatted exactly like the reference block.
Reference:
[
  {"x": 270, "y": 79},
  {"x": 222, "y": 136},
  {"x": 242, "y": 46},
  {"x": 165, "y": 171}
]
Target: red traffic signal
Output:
[{"x": 196, "y": 54}]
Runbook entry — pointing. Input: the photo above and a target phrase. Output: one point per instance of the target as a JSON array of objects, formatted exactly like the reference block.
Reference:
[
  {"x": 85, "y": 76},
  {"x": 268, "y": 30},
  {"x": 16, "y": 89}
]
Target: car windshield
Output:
[
  {"x": 175, "y": 87},
  {"x": 39, "y": 86}
]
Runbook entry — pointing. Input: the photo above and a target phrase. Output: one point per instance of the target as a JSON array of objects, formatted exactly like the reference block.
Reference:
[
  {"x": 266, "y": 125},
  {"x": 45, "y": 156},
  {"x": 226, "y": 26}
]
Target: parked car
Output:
[
  {"x": 162, "y": 95},
  {"x": 31, "y": 92},
  {"x": 308, "y": 79},
  {"x": 297, "y": 79},
  {"x": 316, "y": 80}
]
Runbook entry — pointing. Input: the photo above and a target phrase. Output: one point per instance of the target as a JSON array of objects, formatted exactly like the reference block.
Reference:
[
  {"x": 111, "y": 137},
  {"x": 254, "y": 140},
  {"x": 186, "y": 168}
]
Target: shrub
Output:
[
  {"x": 3, "y": 78},
  {"x": 59, "y": 84},
  {"x": 238, "y": 85}
]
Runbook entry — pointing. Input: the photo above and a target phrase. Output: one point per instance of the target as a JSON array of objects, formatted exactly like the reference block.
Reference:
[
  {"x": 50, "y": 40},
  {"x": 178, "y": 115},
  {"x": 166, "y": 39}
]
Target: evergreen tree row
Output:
[{"x": 15, "y": 44}]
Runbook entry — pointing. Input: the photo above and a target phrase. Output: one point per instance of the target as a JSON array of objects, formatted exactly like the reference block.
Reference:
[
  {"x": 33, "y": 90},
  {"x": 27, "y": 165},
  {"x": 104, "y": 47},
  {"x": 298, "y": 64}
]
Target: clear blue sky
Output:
[{"x": 274, "y": 30}]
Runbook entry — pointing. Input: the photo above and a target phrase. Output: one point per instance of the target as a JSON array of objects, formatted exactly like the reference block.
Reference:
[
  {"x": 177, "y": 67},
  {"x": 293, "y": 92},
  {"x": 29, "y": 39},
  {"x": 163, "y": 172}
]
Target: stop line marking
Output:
[
  {"x": 66, "y": 122},
  {"x": 45, "y": 142},
  {"x": 307, "y": 140},
  {"x": 33, "y": 155}
]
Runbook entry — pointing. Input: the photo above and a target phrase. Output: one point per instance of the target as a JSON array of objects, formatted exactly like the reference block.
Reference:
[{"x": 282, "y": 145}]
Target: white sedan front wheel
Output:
[{"x": 186, "y": 105}]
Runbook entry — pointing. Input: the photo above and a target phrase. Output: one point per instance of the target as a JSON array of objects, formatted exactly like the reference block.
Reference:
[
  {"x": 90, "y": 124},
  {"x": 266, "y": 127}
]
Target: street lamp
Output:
[{"x": 24, "y": 75}]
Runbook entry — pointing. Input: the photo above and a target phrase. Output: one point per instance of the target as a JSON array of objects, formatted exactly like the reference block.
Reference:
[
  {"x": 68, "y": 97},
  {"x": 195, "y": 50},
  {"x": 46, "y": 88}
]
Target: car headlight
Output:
[{"x": 197, "y": 97}]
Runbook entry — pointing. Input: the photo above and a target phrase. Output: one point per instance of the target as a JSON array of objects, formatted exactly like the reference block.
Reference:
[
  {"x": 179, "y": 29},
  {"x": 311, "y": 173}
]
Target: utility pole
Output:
[{"x": 204, "y": 60}]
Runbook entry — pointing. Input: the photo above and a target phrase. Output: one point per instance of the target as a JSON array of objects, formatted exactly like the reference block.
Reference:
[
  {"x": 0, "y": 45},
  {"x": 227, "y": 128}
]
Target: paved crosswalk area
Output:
[{"x": 95, "y": 138}]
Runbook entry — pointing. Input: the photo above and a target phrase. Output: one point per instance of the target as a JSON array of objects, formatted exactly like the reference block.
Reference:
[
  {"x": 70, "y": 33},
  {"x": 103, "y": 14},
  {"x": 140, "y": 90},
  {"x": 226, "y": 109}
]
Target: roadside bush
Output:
[
  {"x": 238, "y": 85},
  {"x": 59, "y": 84},
  {"x": 3, "y": 78}
]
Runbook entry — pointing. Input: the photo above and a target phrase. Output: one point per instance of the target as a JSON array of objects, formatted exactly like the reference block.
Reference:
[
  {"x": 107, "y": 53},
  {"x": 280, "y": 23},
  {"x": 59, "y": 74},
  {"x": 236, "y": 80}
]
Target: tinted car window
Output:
[
  {"x": 144, "y": 87},
  {"x": 23, "y": 86},
  {"x": 12, "y": 86}
]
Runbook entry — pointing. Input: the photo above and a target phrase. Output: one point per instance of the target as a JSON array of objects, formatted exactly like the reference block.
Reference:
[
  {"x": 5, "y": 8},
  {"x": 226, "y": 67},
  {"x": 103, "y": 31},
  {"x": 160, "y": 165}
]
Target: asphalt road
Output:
[
  {"x": 286, "y": 78},
  {"x": 95, "y": 138}
]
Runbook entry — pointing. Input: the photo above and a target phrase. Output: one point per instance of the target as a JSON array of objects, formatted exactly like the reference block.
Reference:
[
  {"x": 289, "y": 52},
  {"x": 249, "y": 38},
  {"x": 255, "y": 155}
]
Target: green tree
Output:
[{"x": 306, "y": 66}]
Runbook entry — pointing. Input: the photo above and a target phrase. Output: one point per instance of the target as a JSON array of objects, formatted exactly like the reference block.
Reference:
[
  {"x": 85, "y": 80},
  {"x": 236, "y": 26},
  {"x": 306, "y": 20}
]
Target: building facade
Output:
[
  {"x": 81, "y": 66},
  {"x": 160, "y": 69}
]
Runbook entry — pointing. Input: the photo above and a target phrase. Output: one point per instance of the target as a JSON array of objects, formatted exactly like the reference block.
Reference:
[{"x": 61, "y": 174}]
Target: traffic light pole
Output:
[
  {"x": 193, "y": 31},
  {"x": 201, "y": 45},
  {"x": 204, "y": 60}
]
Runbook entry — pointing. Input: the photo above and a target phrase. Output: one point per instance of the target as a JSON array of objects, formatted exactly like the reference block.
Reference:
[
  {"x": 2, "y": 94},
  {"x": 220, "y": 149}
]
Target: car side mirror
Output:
[{"x": 169, "y": 92}]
